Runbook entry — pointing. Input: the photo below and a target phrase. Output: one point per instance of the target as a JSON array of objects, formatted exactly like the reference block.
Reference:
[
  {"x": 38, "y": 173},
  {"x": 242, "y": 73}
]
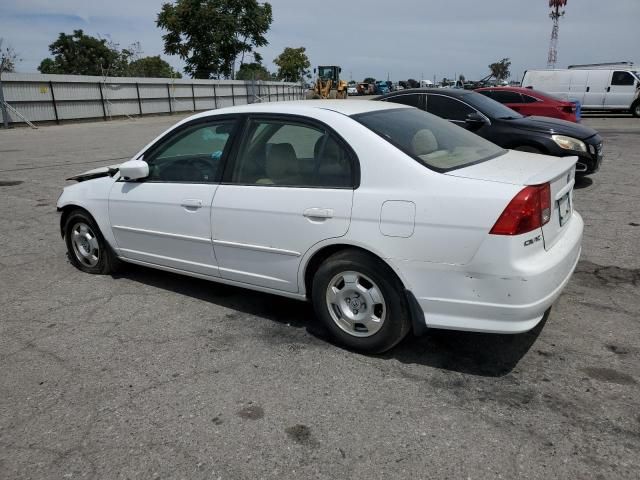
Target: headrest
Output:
[
  {"x": 281, "y": 162},
  {"x": 424, "y": 142}
]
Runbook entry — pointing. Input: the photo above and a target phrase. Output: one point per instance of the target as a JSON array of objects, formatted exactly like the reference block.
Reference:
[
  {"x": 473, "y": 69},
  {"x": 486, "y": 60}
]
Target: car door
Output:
[
  {"x": 621, "y": 92},
  {"x": 165, "y": 219},
  {"x": 597, "y": 84},
  {"x": 290, "y": 186}
]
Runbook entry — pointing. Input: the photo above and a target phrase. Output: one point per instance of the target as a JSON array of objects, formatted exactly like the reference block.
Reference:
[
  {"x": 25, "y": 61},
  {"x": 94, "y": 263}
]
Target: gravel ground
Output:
[{"x": 153, "y": 375}]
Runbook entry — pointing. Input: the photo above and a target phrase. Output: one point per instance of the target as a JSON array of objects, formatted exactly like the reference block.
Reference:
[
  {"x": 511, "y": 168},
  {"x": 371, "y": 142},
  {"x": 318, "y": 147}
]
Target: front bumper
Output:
[
  {"x": 496, "y": 292},
  {"x": 590, "y": 162}
]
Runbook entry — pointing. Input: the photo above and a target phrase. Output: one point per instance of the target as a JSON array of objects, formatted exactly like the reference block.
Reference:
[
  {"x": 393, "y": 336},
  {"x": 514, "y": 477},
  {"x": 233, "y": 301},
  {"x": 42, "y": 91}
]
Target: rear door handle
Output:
[
  {"x": 608, "y": 89},
  {"x": 191, "y": 203},
  {"x": 318, "y": 213},
  {"x": 588, "y": 88}
]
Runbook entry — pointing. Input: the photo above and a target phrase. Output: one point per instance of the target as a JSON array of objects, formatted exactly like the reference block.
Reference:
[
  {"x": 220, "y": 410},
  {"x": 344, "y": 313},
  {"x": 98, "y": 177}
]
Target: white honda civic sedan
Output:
[{"x": 386, "y": 218}]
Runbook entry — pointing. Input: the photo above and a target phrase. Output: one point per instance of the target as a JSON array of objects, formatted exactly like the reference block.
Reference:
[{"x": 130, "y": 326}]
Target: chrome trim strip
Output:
[
  {"x": 162, "y": 234},
  {"x": 258, "y": 248},
  {"x": 171, "y": 259},
  {"x": 251, "y": 275}
]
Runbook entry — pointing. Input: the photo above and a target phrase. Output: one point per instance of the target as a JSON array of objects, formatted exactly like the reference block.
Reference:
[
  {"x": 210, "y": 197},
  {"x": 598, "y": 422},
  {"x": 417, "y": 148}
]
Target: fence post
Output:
[
  {"x": 3, "y": 107},
  {"x": 193, "y": 97},
  {"x": 53, "y": 100},
  {"x": 233, "y": 95},
  {"x": 104, "y": 111},
  {"x": 215, "y": 97},
  {"x": 169, "y": 98},
  {"x": 139, "y": 101}
]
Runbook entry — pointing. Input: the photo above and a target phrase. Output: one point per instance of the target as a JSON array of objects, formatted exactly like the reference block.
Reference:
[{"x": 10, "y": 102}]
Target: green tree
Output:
[
  {"x": 80, "y": 54},
  {"x": 369, "y": 80},
  {"x": 500, "y": 69},
  {"x": 152, "y": 67},
  {"x": 293, "y": 64},
  {"x": 209, "y": 35},
  {"x": 253, "y": 71},
  {"x": 8, "y": 58}
]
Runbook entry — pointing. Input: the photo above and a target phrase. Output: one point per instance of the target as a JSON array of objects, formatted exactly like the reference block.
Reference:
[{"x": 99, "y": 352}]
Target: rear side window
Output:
[
  {"x": 505, "y": 96},
  {"x": 448, "y": 108},
  {"x": 281, "y": 153},
  {"x": 411, "y": 99},
  {"x": 528, "y": 99},
  {"x": 622, "y": 79}
]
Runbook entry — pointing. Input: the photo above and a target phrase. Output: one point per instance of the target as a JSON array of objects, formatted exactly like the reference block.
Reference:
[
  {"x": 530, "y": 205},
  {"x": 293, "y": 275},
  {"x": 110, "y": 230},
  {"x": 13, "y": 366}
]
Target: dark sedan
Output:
[{"x": 506, "y": 127}]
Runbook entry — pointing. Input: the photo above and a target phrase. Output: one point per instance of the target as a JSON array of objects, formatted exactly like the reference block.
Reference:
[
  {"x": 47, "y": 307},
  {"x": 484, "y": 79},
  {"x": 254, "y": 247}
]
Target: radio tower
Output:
[{"x": 555, "y": 15}]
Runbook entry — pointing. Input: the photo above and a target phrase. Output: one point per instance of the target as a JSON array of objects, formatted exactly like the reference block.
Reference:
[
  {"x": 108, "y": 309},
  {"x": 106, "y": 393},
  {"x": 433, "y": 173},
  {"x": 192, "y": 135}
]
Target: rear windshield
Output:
[{"x": 434, "y": 142}]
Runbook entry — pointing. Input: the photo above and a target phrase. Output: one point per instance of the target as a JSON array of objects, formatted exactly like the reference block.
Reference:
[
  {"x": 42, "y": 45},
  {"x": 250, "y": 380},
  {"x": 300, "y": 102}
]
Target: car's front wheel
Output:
[
  {"x": 635, "y": 109},
  {"x": 87, "y": 249},
  {"x": 361, "y": 302}
]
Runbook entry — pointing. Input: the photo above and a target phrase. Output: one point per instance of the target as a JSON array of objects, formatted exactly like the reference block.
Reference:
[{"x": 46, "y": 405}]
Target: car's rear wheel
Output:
[
  {"x": 87, "y": 249},
  {"x": 527, "y": 148},
  {"x": 361, "y": 302}
]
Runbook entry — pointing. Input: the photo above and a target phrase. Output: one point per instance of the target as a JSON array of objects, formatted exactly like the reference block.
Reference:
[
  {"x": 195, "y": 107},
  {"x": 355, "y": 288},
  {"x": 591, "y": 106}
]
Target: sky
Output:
[{"x": 400, "y": 40}]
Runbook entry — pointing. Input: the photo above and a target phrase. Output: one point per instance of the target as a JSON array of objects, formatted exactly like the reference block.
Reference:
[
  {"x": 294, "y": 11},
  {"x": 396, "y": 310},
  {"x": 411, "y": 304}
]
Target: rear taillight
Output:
[
  {"x": 568, "y": 109},
  {"x": 529, "y": 209}
]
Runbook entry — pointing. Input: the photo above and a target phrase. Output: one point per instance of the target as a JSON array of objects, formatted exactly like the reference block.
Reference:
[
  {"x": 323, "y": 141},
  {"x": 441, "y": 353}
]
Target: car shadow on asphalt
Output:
[
  {"x": 487, "y": 355},
  {"x": 583, "y": 182}
]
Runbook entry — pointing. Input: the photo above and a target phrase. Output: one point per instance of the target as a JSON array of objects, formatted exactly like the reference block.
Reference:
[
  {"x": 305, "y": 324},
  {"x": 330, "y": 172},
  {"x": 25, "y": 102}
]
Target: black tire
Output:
[
  {"x": 373, "y": 274},
  {"x": 635, "y": 109},
  {"x": 92, "y": 254},
  {"x": 527, "y": 148}
]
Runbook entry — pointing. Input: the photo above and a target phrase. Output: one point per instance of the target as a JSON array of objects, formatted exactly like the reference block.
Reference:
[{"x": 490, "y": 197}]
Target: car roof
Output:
[
  {"x": 302, "y": 107},
  {"x": 527, "y": 91},
  {"x": 510, "y": 89},
  {"x": 451, "y": 92}
]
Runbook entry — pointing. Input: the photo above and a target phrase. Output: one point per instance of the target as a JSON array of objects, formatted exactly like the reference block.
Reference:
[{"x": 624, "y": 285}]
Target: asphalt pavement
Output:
[{"x": 149, "y": 374}]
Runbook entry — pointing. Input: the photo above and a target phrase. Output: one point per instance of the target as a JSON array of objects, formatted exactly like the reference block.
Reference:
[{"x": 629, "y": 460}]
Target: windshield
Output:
[
  {"x": 325, "y": 73},
  {"x": 434, "y": 142},
  {"x": 489, "y": 107}
]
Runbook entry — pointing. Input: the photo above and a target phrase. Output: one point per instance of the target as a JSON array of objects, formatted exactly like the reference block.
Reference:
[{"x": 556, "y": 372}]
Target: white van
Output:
[{"x": 599, "y": 88}]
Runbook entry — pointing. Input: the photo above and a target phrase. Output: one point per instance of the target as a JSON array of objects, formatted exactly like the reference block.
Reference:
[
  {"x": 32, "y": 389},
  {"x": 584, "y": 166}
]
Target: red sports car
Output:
[{"x": 532, "y": 102}]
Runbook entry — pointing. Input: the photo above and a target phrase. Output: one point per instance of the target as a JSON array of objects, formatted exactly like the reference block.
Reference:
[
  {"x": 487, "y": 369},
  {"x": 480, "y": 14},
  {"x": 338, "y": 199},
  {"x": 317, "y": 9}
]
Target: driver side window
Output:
[{"x": 191, "y": 155}]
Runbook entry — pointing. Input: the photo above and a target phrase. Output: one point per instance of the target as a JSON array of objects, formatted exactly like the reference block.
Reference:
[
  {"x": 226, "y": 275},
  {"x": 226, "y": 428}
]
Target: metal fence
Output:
[{"x": 56, "y": 98}]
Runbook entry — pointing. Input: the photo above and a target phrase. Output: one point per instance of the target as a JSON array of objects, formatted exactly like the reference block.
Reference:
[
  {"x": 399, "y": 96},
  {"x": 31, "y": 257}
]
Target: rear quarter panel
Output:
[{"x": 452, "y": 215}]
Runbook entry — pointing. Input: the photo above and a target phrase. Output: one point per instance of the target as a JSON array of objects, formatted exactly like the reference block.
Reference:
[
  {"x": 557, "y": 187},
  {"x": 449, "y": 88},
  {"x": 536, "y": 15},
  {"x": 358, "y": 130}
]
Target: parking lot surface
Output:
[{"x": 153, "y": 375}]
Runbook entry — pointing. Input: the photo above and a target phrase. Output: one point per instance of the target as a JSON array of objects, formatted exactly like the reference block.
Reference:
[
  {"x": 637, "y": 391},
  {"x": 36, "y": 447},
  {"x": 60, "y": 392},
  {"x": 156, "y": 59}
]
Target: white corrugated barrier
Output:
[{"x": 56, "y": 98}]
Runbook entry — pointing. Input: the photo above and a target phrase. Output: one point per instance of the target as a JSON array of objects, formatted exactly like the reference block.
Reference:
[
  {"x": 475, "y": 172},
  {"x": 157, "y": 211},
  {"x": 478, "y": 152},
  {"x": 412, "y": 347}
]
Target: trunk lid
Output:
[{"x": 522, "y": 168}]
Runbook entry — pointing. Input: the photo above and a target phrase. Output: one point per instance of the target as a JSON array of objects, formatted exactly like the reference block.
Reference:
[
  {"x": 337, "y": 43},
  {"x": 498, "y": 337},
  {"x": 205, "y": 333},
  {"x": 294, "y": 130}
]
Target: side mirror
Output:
[
  {"x": 475, "y": 120},
  {"x": 134, "y": 170}
]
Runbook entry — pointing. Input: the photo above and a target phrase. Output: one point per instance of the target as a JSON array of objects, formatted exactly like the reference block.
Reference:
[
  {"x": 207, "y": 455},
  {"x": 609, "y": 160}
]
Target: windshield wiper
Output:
[{"x": 508, "y": 118}]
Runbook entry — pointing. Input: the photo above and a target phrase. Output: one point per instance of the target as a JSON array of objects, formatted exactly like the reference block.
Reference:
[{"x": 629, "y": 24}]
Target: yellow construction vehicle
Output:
[{"x": 328, "y": 83}]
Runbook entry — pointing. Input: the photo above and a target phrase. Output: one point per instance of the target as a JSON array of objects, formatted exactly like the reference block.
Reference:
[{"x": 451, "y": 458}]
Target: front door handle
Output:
[
  {"x": 191, "y": 203},
  {"x": 318, "y": 213}
]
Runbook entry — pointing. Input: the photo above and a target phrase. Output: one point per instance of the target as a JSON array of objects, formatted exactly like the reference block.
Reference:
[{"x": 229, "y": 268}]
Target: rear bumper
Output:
[{"x": 492, "y": 293}]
